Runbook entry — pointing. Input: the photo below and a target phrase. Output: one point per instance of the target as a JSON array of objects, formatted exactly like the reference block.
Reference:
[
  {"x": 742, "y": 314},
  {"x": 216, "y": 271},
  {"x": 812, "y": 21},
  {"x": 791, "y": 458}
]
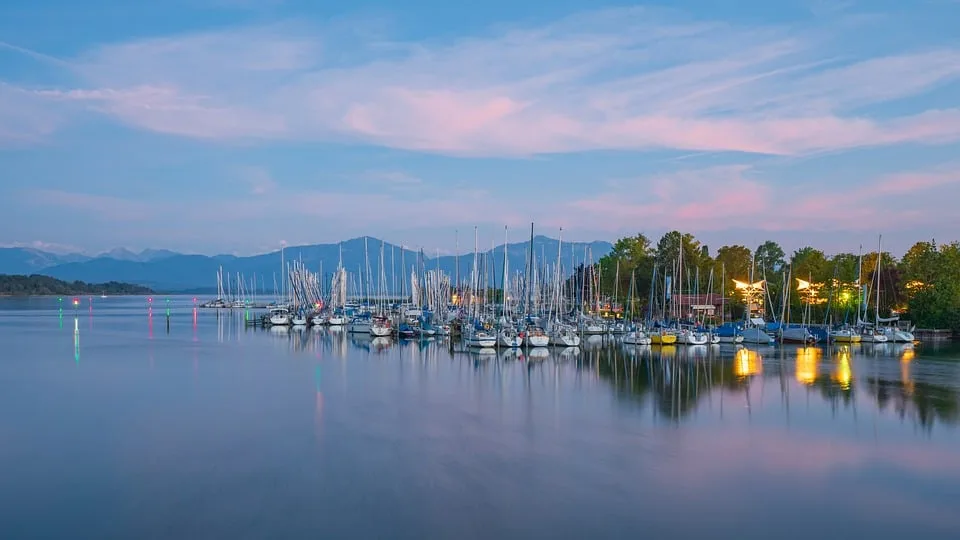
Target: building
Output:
[{"x": 698, "y": 305}]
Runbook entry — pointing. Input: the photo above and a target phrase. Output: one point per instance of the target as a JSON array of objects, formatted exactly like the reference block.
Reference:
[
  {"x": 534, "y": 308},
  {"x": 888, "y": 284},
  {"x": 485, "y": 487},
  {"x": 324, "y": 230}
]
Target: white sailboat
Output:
[
  {"x": 509, "y": 337},
  {"x": 380, "y": 326},
  {"x": 636, "y": 337},
  {"x": 536, "y": 337},
  {"x": 871, "y": 332},
  {"x": 688, "y": 336},
  {"x": 279, "y": 317},
  {"x": 562, "y": 335}
]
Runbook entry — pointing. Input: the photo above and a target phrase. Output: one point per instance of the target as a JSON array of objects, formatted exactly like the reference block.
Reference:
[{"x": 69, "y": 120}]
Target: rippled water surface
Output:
[{"x": 114, "y": 424}]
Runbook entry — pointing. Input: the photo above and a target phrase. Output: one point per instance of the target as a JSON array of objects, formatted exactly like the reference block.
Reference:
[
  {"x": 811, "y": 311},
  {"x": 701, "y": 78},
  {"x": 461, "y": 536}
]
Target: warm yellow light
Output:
[
  {"x": 908, "y": 386},
  {"x": 808, "y": 360},
  {"x": 843, "y": 374},
  {"x": 747, "y": 363}
]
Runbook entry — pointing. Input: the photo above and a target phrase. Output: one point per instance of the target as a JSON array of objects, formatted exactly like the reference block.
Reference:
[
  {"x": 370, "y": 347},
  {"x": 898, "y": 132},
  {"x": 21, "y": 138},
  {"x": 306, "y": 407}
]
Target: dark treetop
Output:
[{"x": 44, "y": 285}]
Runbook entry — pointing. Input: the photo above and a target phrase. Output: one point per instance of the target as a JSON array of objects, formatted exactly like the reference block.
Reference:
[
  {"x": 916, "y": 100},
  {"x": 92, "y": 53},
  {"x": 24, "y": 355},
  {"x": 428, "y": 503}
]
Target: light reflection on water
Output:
[{"x": 203, "y": 427}]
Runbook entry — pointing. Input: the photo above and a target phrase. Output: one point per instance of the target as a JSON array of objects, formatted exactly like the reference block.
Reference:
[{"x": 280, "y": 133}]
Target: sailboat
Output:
[
  {"x": 279, "y": 316},
  {"x": 561, "y": 335},
  {"x": 870, "y": 332},
  {"x": 893, "y": 333},
  {"x": 534, "y": 335},
  {"x": 338, "y": 294},
  {"x": 636, "y": 337}
]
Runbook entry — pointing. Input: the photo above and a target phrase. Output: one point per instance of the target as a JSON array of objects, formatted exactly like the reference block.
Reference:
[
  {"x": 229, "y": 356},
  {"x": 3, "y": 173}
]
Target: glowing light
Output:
[
  {"x": 76, "y": 302},
  {"x": 808, "y": 360},
  {"x": 905, "y": 359},
  {"x": 76, "y": 340},
  {"x": 843, "y": 374},
  {"x": 747, "y": 363}
]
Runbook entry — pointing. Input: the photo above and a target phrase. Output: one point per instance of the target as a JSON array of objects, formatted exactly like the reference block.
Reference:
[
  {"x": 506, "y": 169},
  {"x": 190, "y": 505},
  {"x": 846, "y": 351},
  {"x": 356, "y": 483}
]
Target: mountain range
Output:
[{"x": 164, "y": 270}]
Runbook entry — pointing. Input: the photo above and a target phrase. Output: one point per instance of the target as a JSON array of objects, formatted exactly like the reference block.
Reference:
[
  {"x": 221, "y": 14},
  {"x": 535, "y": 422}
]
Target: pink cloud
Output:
[
  {"x": 721, "y": 198},
  {"x": 704, "y": 199},
  {"x": 903, "y": 183},
  {"x": 616, "y": 79}
]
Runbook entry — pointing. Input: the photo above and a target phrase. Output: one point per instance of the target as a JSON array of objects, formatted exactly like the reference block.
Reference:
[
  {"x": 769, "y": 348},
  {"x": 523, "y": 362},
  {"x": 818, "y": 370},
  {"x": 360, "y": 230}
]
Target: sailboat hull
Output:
[
  {"x": 663, "y": 339},
  {"x": 509, "y": 340},
  {"x": 636, "y": 338}
]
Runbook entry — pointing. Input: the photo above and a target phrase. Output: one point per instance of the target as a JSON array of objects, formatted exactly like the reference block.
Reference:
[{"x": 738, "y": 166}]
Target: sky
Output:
[{"x": 232, "y": 126}]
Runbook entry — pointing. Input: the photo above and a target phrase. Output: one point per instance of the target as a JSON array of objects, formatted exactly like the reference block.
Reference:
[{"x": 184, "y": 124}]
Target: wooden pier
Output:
[{"x": 933, "y": 334}]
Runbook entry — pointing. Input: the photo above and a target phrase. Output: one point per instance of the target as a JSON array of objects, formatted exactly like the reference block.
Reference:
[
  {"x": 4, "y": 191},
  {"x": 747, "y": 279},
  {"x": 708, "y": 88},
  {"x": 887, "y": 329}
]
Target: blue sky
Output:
[{"x": 235, "y": 125}]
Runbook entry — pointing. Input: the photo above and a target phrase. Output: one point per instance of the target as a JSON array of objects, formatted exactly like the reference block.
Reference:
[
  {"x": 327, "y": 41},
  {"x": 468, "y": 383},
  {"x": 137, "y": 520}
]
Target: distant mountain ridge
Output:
[{"x": 170, "y": 271}]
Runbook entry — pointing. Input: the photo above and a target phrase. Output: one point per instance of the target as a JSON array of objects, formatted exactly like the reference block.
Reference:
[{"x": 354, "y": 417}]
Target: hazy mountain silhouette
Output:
[{"x": 166, "y": 270}]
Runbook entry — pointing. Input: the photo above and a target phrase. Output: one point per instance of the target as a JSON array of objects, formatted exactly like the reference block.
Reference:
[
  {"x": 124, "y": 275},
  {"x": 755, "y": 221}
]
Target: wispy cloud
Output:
[
  {"x": 740, "y": 197},
  {"x": 103, "y": 207},
  {"x": 257, "y": 179},
  {"x": 392, "y": 179},
  {"x": 49, "y": 247},
  {"x": 24, "y": 118},
  {"x": 629, "y": 79}
]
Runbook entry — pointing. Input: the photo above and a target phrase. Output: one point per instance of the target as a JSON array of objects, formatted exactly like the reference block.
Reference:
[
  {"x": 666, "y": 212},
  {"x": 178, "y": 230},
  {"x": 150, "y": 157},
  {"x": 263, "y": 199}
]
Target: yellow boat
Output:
[
  {"x": 663, "y": 338},
  {"x": 845, "y": 336}
]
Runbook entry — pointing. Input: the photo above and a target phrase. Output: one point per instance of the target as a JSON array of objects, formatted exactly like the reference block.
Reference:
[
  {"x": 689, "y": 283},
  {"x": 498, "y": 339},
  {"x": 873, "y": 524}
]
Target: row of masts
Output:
[{"x": 542, "y": 288}]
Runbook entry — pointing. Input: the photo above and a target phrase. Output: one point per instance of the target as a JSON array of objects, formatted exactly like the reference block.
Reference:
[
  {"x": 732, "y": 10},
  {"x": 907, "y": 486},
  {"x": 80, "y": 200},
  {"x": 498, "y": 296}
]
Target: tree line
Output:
[
  {"x": 923, "y": 286},
  {"x": 37, "y": 285}
]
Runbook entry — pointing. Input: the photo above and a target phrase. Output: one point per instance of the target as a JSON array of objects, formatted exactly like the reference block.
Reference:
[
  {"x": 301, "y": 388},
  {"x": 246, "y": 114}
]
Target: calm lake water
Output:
[{"x": 113, "y": 425}]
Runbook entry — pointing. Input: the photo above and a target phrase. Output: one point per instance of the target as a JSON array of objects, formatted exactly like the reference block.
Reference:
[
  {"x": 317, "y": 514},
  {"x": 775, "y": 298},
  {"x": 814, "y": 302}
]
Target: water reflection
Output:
[
  {"x": 919, "y": 384},
  {"x": 76, "y": 340},
  {"x": 747, "y": 363},
  {"x": 676, "y": 379},
  {"x": 808, "y": 365}
]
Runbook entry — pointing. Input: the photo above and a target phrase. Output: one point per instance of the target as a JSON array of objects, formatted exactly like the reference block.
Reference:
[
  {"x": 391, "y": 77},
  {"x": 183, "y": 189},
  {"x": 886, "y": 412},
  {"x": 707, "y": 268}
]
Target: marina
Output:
[
  {"x": 319, "y": 428},
  {"x": 559, "y": 303}
]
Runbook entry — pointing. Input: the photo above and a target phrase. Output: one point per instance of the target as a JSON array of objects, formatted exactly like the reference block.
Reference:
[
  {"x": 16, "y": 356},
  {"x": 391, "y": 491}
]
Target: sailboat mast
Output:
[
  {"x": 861, "y": 310},
  {"x": 876, "y": 270},
  {"x": 529, "y": 279},
  {"x": 723, "y": 292},
  {"x": 456, "y": 235},
  {"x": 504, "y": 282}
]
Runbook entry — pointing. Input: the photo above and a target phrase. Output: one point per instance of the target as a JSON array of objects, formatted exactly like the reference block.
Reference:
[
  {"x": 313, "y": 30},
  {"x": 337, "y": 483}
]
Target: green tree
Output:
[
  {"x": 695, "y": 255},
  {"x": 810, "y": 264},
  {"x": 734, "y": 261},
  {"x": 769, "y": 258},
  {"x": 631, "y": 255},
  {"x": 932, "y": 277},
  {"x": 770, "y": 263},
  {"x": 731, "y": 262},
  {"x": 919, "y": 263}
]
